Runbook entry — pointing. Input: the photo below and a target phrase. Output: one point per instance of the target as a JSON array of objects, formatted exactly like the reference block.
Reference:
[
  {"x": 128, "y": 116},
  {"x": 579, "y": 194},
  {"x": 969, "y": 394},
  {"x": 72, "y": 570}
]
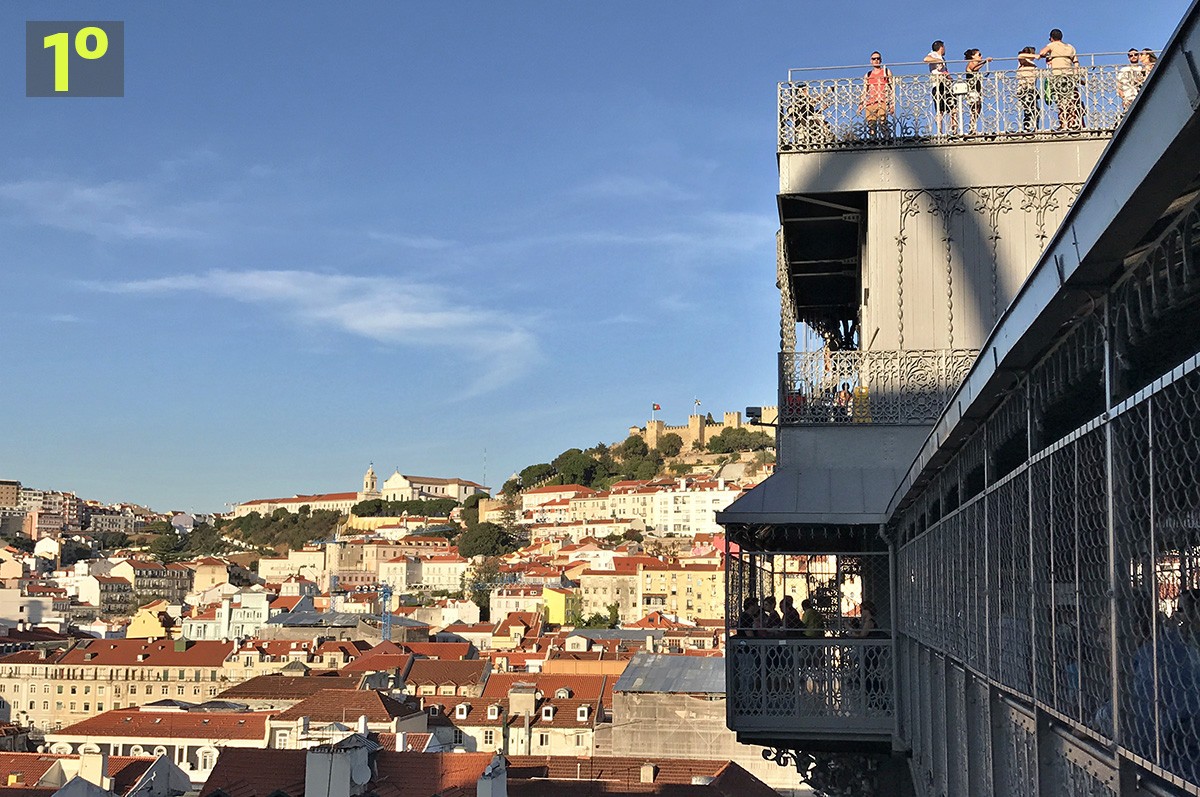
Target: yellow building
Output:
[
  {"x": 561, "y": 604},
  {"x": 153, "y": 621}
]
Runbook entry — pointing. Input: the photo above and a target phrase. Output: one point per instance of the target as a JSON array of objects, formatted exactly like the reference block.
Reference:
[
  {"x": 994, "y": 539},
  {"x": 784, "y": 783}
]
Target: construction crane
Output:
[{"x": 385, "y": 617}]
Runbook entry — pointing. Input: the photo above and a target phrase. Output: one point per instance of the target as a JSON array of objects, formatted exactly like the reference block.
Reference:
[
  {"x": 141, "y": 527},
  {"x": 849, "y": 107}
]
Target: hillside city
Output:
[{"x": 565, "y": 615}]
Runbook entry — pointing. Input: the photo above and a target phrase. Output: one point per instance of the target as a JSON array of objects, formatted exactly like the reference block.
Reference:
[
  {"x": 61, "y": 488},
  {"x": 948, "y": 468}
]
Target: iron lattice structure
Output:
[{"x": 1048, "y": 613}]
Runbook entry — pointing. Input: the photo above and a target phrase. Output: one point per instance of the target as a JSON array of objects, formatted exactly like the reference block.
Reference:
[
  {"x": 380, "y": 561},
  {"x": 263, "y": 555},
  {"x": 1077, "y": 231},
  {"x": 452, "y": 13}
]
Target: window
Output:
[
  {"x": 46, "y": 689},
  {"x": 544, "y": 739},
  {"x": 458, "y": 736},
  {"x": 547, "y": 712},
  {"x": 179, "y": 690},
  {"x": 489, "y": 737},
  {"x": 99, "y": 690},
  {"x": 87, "y": 706},
  {"x": 579, "y": 740},
  {"x": 72, "y": 705},
  {"x": 493, "y": 712},
  {"x": 100, "y": 707},
  {"x": 133, "y": 689},
  {"x": 460, "y": 711},
  {"x": 581, "y": 713},
  {"x": 166, "y": 690},
  {"x": 58, "y": 690}
]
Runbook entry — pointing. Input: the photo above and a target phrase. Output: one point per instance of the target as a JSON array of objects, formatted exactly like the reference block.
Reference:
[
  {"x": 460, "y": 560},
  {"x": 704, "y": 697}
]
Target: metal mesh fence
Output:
[{"x": 1093, "y": 542}]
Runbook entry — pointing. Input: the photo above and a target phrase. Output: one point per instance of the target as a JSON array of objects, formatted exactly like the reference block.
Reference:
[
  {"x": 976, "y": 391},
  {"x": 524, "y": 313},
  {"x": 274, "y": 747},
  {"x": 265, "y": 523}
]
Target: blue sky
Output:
[{"x": 314, "y": 235}]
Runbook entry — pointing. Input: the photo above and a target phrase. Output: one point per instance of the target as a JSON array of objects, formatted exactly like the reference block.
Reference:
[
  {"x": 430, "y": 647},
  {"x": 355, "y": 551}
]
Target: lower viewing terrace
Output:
[{"x": 831, "y": 108}]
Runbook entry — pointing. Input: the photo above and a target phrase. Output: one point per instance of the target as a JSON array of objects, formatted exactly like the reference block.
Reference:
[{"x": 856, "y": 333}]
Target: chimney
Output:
[
  {"x": 494, "y": 780},
  {"x": 362, "y": 724},
  {"x": 649, "y": 643},
  {"x": 401, "y": 741},
  {"x": 648, "y": 773},
  {"x": 93, "y": 767}
]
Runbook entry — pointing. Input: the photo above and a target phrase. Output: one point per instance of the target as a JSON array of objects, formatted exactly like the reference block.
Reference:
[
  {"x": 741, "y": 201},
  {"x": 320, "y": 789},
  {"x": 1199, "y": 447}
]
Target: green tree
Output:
[
  {"x": 731, "y": 440},
  {"x": 670, "y": 444},
  {"x": 479, "y": 581},
  {"x": 486, "y": 539},
  {"x": 470, "y": 513},
  {"x": 634, "y": 446},
  {"x": 167, "y": 548},
  {"x": 576, "y": 467},
  {"x": 535, "y": 473}
]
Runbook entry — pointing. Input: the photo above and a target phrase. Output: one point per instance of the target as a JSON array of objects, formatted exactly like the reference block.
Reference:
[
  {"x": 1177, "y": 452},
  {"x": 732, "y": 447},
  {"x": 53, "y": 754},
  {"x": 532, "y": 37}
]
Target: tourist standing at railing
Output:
[
  {"x": 939, "y": 82},
  {"x": 814, "y": 624},
  {"x": 748, "y": 619},
  {"x": 768, "y": 622},
  {"x": 1149, "y": 59},
  {"x": 878, "y": 102},
  {"x": 975, "y": 63},
  {"x": 789, "y": 615},
  {"x": 1064, "y": 80},
  {"x": 1027, "y": 89},
  {"x": 1130, "y": 78}
]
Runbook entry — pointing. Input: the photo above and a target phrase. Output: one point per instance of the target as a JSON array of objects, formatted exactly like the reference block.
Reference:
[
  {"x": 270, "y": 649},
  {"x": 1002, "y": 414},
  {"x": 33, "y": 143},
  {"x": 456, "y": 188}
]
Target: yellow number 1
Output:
[
  {"x": 61, "y": 56},
  {"x": 59, "y": 42}
]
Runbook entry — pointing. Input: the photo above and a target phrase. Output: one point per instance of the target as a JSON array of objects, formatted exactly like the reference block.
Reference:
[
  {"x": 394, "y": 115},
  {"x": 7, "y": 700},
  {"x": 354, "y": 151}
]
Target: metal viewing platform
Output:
[{"x": 830, "y": 109}]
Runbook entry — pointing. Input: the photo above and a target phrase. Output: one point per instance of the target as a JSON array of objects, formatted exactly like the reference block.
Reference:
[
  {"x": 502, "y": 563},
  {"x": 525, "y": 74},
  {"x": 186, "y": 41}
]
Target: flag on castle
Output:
[{"x": 655, "y": 407}]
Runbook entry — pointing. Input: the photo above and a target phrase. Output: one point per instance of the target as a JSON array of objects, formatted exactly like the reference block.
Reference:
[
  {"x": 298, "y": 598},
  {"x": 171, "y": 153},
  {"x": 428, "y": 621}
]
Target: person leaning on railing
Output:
[
  {"x": 1027, "y": 89},
  {"x": 748, "y": 619}
]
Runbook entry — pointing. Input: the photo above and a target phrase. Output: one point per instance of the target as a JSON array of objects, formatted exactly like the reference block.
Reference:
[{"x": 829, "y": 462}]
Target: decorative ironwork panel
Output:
[
  {"x": 879, "y": 387},
  {"x": 837, "y": 113},
  {"x": 809, "y": 685}
]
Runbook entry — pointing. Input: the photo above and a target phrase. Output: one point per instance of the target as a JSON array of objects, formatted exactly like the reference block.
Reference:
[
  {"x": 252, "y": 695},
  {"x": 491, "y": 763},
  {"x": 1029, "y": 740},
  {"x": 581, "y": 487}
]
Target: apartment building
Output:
[
  {"x": 688, "y": 591},
  {"x": 152, "y": 579},
  {"x": 50, "y": 689}
]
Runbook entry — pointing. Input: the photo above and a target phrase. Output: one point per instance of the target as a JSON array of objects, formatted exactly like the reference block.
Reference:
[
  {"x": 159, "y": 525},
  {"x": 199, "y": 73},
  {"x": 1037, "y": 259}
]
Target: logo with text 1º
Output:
[{"x": 74, "y": 59}]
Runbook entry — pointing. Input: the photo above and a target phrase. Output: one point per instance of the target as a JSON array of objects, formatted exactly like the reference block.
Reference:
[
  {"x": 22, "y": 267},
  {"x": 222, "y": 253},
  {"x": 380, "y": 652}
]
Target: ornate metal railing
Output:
[
  {"x": 837, "y": 113},
  {"x": 880, "y": 387},
  {"x": 801, "y": 686}
]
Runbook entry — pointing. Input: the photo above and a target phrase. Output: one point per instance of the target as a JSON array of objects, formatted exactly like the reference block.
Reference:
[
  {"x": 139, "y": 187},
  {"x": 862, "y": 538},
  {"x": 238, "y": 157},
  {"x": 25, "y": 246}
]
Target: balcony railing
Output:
[
  {"x": 879, "y": 387},
  {"x": 837, "y": 687},
  {"x": 837, "y": 113}
]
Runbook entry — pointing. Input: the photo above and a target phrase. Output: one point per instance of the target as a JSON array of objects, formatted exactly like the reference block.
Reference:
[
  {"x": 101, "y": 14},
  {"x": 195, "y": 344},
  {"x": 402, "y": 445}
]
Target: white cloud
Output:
[
  {"x": 410, "y": 241},
  {"x": 390, "y": 311},
  {"x": 113, "y": 209}
]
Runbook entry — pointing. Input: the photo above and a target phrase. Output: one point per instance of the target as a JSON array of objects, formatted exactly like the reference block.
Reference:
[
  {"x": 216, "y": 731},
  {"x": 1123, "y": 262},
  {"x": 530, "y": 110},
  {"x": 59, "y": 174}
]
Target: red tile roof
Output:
[
  {"x": 305, "y": 499},
  {"x": 146, "y": 724},
  {"x": 291, "y": 687},
  {"x": 124, "y": 770},
  {"x": 258, "y": 773},
  {"x": 337, "y": 705},
  {"x": 459, "y": 673}
]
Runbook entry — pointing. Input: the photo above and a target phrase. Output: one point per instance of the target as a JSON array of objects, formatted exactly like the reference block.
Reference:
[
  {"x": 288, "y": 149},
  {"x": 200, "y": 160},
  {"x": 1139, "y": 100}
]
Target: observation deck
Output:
[{"x": 827, "y": 109}]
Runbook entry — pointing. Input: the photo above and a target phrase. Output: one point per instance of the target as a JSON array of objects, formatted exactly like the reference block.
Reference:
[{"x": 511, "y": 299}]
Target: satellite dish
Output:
[{"x": 361, "y": 773}]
